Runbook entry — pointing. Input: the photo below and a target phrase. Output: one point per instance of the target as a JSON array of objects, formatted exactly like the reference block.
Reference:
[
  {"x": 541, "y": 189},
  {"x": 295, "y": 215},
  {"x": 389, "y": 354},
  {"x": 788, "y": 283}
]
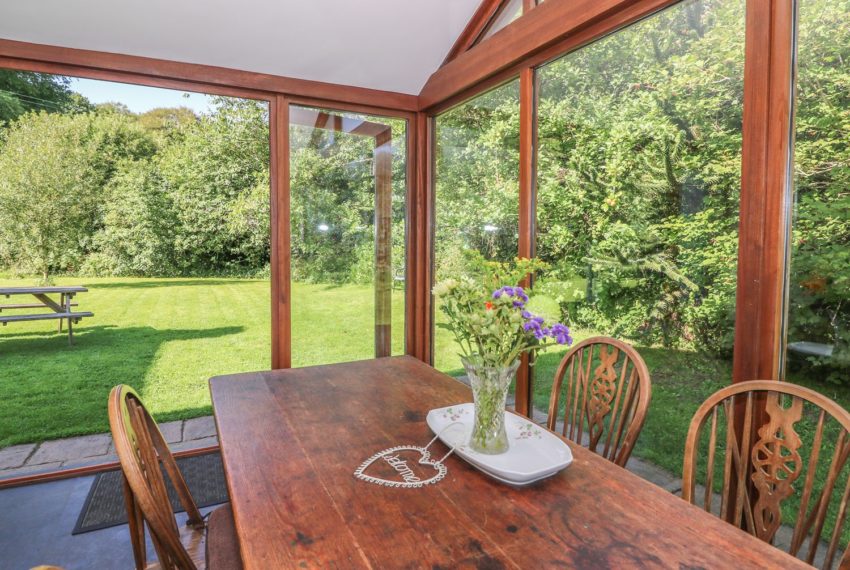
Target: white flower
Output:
[{"x": 444, "y": 287}]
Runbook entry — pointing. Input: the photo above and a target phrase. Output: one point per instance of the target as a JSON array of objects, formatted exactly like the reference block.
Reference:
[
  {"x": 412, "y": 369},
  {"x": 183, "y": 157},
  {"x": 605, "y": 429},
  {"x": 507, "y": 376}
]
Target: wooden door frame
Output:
[{"x": 381, "y": 135}]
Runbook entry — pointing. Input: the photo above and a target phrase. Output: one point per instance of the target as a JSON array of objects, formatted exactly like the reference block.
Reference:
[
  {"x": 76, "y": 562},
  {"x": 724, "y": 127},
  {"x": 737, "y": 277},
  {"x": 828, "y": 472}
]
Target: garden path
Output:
[{"x": 82, "y": 451}]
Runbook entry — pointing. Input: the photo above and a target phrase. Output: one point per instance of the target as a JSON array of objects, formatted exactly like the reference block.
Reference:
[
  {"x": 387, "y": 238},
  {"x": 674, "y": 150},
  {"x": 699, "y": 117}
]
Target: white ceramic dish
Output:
[
  {"x": 514, "y": 483},
  {"x": 534, "y": 453}
]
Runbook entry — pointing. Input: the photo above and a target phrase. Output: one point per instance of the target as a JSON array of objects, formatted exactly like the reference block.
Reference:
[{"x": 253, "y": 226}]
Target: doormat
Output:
[{"x": 104, "y": 506}]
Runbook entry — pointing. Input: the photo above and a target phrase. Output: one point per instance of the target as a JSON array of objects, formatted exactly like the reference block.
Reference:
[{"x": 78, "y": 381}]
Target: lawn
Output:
[
  {"x": 681, "y": 381},
  {"x": 165, "y": 337}
]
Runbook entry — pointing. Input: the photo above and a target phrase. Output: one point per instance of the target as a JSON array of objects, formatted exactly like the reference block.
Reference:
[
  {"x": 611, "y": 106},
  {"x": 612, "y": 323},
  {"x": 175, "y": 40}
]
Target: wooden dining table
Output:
[{"x": 292, "y": 439}]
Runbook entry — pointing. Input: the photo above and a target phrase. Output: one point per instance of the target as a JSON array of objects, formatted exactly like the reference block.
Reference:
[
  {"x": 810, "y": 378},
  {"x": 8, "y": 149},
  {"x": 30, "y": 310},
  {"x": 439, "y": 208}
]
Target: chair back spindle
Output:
[
  {"x": 141, "y": 449},
  {"x": 606, "y": 390},
  {"x": 761, "y": 443}
]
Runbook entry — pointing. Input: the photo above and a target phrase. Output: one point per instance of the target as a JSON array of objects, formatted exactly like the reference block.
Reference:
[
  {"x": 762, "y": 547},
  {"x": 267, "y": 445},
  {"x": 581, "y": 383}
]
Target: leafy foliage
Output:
[
  {"x": 23, "y": 92},
  {"x": 53, "y": 169},
  {"x": 820, "y": 270}
]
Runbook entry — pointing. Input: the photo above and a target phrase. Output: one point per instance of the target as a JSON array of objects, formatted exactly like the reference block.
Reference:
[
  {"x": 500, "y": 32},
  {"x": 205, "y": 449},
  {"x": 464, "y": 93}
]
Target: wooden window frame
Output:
[
  {"x": 278, "y": 92},
  {"x": 557, "y": 27},
  {"x": 550, "y": 30},
  {"x": 381, "y": 135}
]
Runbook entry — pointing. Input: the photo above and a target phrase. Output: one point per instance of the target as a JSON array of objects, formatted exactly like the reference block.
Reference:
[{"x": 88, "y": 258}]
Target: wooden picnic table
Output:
[
  {"x": 291, "y": 440},
  {"x": 62, "y": 309}
]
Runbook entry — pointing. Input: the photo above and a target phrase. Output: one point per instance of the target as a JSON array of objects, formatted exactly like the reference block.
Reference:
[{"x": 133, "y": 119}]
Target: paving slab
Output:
[
  {"x": 654, "y": 474},
  {"x": 194, "y": 444},
  {"x": 71, "y": 449},
  {"x": 198, "y": 428},
  {"x": 87, "y": 462},
  {"x": 30, "y": 470},
  {"x": 172, "y": 431},
  {"x": 15, "y": 456}
]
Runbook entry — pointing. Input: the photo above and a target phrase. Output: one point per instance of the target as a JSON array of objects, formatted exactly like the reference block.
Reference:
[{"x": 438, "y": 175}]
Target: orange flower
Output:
[{"x": 488, "y": 305}]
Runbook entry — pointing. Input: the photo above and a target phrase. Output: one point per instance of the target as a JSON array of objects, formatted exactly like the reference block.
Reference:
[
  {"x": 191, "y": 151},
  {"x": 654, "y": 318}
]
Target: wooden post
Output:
[
  {"x": 383, "y": 165},
  {"x": 280, "y": 243},
  {"x": 765, "y": 201},
  {"x": 420, "y": 244},
  {"x": 527, "y": 215},
  {"x": 527, "y": 210},
  {"x": 765, "y": 189}
]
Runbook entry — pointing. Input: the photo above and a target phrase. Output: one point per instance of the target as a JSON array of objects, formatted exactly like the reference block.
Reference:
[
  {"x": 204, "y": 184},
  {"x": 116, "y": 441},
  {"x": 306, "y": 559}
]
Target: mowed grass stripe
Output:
[{"x": 166, "y": 337}]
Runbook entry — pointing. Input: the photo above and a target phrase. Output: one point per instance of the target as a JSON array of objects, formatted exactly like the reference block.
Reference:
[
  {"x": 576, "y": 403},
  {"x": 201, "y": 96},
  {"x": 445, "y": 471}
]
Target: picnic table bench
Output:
[{"x": 62, "y": 310}]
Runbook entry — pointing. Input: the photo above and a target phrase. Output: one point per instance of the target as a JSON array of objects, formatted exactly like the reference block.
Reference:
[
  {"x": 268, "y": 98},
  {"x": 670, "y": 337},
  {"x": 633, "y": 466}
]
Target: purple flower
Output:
[
  {"x": 560, "y": 333},
  {"x": 519, "y": 292},
  {"x": 559, "y": 329},
  {"x": 510, "y": 292},
  {"x": 518, "y": 304},
  {"x": 526, "y": 315}
]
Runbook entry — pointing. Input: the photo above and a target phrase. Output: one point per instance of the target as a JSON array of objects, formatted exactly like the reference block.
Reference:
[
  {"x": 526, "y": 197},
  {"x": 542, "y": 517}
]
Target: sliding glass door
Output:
[{"x": 347, "y": 226}]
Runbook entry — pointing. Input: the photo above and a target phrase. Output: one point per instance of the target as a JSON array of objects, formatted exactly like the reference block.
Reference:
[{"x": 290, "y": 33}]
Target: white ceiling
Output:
[{"x": 394, "y": 45}]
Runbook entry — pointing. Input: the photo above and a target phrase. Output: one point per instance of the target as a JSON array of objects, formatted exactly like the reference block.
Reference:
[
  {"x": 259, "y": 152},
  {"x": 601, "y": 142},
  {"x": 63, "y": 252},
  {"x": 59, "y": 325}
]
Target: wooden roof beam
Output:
[
  {"x": 170, "y": 74},
  {"x": 485, "y": 13},
  {"x": 550, "y": 29}
]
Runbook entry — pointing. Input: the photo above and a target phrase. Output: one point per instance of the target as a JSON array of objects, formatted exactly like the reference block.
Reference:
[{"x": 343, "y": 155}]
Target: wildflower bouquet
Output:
[{"x": 493, "y": 327}]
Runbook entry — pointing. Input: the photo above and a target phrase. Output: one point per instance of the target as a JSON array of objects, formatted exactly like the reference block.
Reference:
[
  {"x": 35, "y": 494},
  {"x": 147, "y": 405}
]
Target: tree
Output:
[
  {"x": 639, "y": 174},
  {"x": 209, "y": 167},
  {"x": 22, "y": 92},
  {"x": 53, "y": 169},
  {"x": 139, "y": 223},
  {"x": 166, "y": 121}
]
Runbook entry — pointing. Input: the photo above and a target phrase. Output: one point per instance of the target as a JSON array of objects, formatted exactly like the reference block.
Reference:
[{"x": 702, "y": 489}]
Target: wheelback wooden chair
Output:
[
  {"x": 607, "y": 392},
  {"x": 141, "y": 447},
  {"x": 771, "y": 437}
]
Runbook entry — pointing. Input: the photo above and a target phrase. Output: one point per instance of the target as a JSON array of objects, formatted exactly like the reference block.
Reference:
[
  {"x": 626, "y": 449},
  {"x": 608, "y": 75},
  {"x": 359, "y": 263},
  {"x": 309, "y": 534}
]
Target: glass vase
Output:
[{"x": 489, "y": 391}]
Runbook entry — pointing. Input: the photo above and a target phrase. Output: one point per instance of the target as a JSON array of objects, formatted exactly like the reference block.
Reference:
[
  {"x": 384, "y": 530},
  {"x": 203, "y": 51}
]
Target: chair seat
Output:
[
  {"x": 194, "y": 541},
  {"x": 222, "y": 544},
  {"x": 217, "y": 549}
]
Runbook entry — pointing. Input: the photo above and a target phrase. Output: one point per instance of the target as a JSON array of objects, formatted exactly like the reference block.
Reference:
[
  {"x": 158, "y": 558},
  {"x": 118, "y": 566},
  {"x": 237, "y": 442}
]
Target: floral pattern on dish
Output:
[
  {"x": 528, "y": 431},
  {"x": 453, "y": 414}
]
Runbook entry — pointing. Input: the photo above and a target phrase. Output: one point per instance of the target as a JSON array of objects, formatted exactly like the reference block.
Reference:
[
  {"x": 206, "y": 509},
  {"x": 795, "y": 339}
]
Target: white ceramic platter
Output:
[{"x": 534, "y": 453}]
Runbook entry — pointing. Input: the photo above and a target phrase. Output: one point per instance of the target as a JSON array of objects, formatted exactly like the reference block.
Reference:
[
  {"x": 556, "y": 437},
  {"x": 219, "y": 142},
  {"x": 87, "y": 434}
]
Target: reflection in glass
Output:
[
  {"x": 477, "y": 193},
  {"x": 348, "y": 187}
]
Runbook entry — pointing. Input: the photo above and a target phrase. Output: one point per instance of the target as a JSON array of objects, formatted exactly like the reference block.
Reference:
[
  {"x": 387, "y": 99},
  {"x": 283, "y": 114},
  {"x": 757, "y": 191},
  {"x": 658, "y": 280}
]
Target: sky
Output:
[{"x": 138, "y": 98}]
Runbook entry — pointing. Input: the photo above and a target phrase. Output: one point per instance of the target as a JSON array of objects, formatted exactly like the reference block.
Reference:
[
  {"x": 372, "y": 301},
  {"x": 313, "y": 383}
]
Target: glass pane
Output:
[
  {"x": 818, "y": 319},
  {"x": 157, "y": 202},
  {"x": 819, "y": 289},
  {"x": 348, "y": 187},
  {"x": 638, "y": 192},
  {"x": 511, "y": 11},
  {"x": 477, "y": 193}
]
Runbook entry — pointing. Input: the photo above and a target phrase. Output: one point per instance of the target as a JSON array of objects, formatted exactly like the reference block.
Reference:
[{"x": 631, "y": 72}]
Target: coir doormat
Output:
[{"x": 104, "y": 506}]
